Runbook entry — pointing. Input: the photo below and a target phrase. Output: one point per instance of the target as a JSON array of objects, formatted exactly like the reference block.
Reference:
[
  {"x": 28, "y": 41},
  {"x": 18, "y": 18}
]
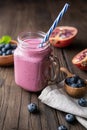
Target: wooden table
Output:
[{"x": 32, "y": 15}]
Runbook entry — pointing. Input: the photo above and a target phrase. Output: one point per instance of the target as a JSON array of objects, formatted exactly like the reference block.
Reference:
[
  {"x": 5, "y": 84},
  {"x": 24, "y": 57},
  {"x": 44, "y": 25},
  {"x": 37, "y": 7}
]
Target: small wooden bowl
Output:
[
  {"x": 8, "y": 59},
  {"x": 74, "y": 92}
]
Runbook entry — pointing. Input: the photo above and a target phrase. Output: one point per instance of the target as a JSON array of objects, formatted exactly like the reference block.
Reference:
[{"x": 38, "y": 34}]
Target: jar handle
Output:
[
  {"x": 55, "y": 64},
  {"x": 63, "y": 69}
]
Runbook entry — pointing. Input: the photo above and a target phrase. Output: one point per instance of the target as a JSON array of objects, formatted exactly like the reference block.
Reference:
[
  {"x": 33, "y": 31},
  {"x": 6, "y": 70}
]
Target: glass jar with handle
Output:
[{"x": 32, "y": 65}]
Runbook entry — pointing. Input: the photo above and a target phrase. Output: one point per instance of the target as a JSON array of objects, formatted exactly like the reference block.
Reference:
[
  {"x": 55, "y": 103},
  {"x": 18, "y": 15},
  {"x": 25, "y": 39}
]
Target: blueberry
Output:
[
  {"x": 3, "y": 50},
  {"x": 8, "y": 52},
  {"x": 70, "y": 118},
  {"x": 82, "y": 102},
  {"x": 7, "y": 46},
  {"x": 67, "y": 81},
  {"x": 74, "y": 85},
  {"x": 13, "y": 46},
  {"x": 32, "y": 107},
  {"x": 1, "y": 46},
  {"x": 62, "y": 127},
  {"x": 0, "y": 52},
  {"x": 3, "y": 54},
  {"x": 72, "y": 80},
  {"x": 76, "y": 77},
  {"x": 80, "y": 82},
  {"x": 80, "y": 85},
  {"x": 12, "y": 51}
]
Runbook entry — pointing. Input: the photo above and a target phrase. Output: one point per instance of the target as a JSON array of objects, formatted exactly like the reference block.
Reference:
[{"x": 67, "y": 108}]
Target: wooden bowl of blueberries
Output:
[
  {"x": 7, "y": 47},
  {"x": 74, "y": 85}
]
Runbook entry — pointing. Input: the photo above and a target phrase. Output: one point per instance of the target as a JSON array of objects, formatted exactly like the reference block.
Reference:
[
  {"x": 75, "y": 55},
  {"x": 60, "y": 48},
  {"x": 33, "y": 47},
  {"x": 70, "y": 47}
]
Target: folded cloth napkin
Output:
[{"x": 55, "y": 97}]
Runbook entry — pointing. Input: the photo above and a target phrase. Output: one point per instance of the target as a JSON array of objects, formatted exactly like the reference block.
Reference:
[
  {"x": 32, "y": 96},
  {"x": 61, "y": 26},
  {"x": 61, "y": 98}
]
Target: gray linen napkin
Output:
[{"x": 55, "y": 95}]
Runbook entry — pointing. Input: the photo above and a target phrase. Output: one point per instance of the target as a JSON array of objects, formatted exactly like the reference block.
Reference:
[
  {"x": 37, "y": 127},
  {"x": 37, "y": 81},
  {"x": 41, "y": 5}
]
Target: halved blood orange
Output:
[
  {"x": 62, "y": 36},
  {"x": 80, "y": 60}
]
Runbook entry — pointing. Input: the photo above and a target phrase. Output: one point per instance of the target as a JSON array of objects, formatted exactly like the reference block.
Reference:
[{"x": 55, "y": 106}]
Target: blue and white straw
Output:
[{"x": 56, "y": 22}]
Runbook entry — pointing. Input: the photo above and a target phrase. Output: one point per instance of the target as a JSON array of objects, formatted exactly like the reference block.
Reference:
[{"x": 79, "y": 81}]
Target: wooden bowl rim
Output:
[
  {"x": 75, "y": 92},
  {"x": 84, "y": 87}
]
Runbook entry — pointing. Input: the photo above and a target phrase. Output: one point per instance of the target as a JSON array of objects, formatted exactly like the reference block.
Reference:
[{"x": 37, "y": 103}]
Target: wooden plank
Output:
[
  {"x": 11, "y": 106},
  {"x": 15, "y": 17}
]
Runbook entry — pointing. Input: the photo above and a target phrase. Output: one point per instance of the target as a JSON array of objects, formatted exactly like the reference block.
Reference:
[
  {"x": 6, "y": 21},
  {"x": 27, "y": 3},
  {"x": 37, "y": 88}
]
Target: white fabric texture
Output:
[{"x": 56, "y": 97}]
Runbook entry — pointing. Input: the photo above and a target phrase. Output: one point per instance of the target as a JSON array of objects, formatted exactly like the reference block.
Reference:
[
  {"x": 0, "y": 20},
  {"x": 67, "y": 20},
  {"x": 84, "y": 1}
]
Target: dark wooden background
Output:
[{"x": 32, "y": 15}]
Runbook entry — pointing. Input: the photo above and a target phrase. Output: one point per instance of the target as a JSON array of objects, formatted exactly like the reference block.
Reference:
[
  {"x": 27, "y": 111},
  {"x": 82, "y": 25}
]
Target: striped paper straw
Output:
[{"x": 56, "y": 22}]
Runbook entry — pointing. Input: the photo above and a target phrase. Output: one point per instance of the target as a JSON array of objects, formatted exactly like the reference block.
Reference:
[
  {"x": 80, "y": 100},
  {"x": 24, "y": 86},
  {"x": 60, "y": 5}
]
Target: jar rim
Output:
[{"x": 26, "y": 35}]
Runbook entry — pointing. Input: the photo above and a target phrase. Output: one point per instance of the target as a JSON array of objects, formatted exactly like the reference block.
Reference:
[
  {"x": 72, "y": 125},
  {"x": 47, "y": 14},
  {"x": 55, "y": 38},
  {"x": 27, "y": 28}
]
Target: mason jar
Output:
[{"x": 32, "y": 64}]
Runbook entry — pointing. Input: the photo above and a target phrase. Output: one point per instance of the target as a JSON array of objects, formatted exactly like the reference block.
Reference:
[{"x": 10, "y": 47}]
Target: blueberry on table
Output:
[
  {"x": 32, "y": 107},
  {"x": 82, "y": 102},
  {"x": 62, "y": 127},
  {"x": 70, "y": 118}
]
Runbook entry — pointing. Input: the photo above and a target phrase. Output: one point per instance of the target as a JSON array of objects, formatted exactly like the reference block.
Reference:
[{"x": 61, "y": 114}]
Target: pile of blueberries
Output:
[
  {"x": 7, "y": 49},
  {"x": 75, "y": 81}
]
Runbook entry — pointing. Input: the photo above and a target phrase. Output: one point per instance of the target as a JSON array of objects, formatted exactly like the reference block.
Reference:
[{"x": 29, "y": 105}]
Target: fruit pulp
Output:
[{"x": 62, "y": 36}]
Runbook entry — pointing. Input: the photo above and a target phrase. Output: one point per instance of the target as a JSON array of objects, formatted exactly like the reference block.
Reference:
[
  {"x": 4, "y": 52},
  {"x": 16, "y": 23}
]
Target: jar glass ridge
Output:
[{"x": 31, "y": 35}]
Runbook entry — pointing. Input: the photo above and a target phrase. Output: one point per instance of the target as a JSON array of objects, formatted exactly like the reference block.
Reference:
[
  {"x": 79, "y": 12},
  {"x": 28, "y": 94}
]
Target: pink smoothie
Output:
[{"x": 31, "y": 65}]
